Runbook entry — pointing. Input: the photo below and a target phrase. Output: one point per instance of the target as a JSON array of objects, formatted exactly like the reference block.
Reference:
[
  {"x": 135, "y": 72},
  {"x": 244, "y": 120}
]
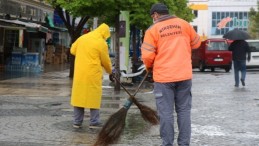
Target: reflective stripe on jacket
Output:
[{"x": 167, "y": 49}]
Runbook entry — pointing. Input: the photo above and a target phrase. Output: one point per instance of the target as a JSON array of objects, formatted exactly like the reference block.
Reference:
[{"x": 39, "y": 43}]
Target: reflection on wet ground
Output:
[
  {"x": 10, "y": 75},
  {"x": 47, "y": 68},
  {"x": 36, "y": 111}
]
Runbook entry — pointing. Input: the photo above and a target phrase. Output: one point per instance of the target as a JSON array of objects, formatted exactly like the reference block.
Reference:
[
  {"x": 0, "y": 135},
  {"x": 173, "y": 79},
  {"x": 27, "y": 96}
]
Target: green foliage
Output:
[
  {"x": 107, "y": 9},
  {"x": 180, "y": 9},
  {"x": 140, "y": 16},
  {"x": 254, "y": 23}
]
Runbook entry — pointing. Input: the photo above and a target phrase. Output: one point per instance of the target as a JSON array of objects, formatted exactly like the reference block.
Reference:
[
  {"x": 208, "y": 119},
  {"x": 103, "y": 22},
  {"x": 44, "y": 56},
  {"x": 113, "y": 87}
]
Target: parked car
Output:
[
  {"x": 213, "y": 53},
  {"x": 254, "y": 48}
]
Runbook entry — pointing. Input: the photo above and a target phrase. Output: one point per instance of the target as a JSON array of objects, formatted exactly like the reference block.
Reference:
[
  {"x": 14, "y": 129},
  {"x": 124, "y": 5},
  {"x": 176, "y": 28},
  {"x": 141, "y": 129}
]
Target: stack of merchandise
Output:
[
  {"x": 60, "y": 55},
  {"x": 49, "y": 54}
]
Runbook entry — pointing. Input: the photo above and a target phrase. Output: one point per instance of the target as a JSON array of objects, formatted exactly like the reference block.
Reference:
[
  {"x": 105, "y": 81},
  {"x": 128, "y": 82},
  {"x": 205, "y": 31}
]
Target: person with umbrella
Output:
[{"x": 240, "y": 52}]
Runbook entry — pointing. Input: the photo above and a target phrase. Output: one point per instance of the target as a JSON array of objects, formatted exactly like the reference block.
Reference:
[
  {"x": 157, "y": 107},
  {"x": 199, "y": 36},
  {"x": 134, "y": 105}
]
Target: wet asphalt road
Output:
[{"x": 35, "y": 111}]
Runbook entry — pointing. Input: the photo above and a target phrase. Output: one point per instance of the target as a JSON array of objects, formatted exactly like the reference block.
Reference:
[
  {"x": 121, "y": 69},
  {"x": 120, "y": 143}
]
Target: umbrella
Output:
[{"x": 236, "y": 34}]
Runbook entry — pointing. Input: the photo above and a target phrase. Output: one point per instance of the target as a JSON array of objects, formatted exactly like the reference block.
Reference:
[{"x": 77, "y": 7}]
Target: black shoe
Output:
[
  {"x": 243, "y": 82},
  {"x": 77, "y": 126},
  {"x": 96, "y": 126},
  {"x": 236, "y": 85}
]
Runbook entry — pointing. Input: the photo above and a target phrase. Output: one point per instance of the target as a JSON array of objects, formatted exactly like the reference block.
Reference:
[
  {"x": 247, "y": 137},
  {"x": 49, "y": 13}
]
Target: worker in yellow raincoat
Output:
[{"x": 91, "y": 56}]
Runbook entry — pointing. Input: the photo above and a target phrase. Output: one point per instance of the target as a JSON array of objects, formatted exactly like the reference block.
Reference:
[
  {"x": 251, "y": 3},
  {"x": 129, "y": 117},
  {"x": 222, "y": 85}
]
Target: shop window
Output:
[
  {"x": 214, "y": 15},
  {"x": 240, "y": 15},
  {"x": 195, "y": 12},
  {"x": 11, "y": 41},
  {"x": 239, "y": 20},
  {"x": 55, "y": 38},
  {"x": 245, "y": 15},
  {"x": 218, "y": 15},
  {"x": 231, "y": 14},
  {"x": 195, "y": 28},
  {"x": 227, "y": 14},
  {"x": 214, "y": 23},
  {"x": 23, "y": 9},
  {"x": 223, "y": 15},
  {"x": 236, "y": 14}
]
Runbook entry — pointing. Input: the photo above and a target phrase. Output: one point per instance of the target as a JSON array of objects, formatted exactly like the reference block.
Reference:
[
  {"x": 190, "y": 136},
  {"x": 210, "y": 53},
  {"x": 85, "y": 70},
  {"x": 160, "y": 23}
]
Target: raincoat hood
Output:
[{"x": 104, "y": 30}]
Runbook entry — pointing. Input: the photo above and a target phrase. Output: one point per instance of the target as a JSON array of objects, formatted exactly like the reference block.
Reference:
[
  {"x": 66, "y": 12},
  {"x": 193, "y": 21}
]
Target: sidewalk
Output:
[{"x": 35, "y": 111}]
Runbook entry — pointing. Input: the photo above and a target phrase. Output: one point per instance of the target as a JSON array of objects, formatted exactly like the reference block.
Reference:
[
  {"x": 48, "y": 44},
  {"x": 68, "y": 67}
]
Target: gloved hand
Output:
[
  {"x": 149, "y": 69},
  {"x": 127, "y": 104},
  {"x": 111, "y": 77}
]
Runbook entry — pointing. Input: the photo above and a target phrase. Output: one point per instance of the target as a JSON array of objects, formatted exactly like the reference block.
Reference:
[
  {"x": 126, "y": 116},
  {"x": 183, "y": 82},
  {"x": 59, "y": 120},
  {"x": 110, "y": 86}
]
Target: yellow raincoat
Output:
[{"x": 91, "y": 55}]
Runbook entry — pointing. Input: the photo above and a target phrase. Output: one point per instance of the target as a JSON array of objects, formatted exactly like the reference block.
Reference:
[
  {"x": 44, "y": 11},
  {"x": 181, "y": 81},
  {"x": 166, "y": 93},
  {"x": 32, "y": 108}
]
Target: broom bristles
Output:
[
  {"x": 147, "y": 113},
  {"x": 112, "y": 129}
]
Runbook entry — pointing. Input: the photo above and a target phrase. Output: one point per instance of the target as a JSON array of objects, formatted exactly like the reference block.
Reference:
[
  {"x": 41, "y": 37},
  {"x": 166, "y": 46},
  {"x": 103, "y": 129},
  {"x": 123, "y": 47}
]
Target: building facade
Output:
[
  {"x": 25, "y": 28},
  {"x": 31, "y": 10},
  {"x": 216, "y": 17}
]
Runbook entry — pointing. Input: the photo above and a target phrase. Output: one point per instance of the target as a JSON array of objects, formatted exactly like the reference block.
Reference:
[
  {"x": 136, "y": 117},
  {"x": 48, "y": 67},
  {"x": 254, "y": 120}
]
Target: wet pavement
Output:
[{"x": 35, "y": 111}]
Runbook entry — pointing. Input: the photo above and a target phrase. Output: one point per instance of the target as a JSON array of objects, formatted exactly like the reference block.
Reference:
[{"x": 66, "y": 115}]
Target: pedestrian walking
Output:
[
  {"x": 167, "y": 51},
  {"x": 91, "y": 56},
  {"x": 240, "y": 52}
]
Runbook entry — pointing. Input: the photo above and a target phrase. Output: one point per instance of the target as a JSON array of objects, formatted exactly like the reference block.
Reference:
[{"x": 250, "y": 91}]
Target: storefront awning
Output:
[
  {"x": 51, "y": 26},
  {"x": 10, "y": 25},
  {"x": 31, "y": 27}
]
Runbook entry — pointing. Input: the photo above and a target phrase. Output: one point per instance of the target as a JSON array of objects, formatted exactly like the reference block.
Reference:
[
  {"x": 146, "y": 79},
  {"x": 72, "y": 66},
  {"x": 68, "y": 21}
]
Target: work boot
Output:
[
  {"x": 96, "y": 126},
  {"x": 77, "y": 126}
]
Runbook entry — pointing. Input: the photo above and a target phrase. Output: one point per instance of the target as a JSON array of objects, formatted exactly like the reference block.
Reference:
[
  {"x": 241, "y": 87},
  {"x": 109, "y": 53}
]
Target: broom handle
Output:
[{"x": 132, "y": 96}]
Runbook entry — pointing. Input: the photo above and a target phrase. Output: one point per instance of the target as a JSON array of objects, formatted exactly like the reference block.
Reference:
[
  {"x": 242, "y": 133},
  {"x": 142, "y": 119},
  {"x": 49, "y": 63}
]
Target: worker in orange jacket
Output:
[{"x": 167, "y": 50}]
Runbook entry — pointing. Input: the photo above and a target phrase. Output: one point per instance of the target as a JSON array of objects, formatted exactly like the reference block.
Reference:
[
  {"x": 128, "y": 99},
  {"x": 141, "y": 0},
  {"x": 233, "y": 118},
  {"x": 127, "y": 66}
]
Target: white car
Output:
[{"x": 254, "y": 48}]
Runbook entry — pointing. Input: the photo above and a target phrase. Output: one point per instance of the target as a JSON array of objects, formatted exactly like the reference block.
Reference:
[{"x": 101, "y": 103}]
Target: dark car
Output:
[{"x": 213, "y": 53}]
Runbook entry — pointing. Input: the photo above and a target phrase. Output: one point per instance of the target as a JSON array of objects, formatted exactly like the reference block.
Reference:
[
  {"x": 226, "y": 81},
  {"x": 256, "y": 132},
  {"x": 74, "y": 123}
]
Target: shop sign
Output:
[
  {"x": 223, "y": 22},
  {"x": 236, "y": 23}
]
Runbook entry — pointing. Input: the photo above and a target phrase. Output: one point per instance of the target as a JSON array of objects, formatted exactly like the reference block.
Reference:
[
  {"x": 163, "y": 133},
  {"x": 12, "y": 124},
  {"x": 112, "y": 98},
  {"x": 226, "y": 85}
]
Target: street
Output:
[{"x": 36, "y": 111}]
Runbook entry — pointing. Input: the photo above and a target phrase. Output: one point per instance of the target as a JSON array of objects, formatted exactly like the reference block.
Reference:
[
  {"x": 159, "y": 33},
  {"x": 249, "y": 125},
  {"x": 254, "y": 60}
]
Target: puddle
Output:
[
  {"x": 10, "y": 75},
  {"x": 111, "y": 98},
  {"x": 67, "y": 126},
  {"x": 107, "y": 87},
  {"x": 68, "y": 109},
  {"x": 11, "y": 143},
  {"x": 53, "y": 104},
  {"x": 111, "y": 105}
]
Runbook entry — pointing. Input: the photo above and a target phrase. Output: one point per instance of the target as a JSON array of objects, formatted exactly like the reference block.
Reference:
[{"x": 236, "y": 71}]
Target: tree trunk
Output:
[
  {"x": 74, "y": 31},
  {"x": 117, "y": 52},
  {"x": 134, "y": 51},
  {"x": 72, "y": 65},
  {"x": 72, "y": 57}
]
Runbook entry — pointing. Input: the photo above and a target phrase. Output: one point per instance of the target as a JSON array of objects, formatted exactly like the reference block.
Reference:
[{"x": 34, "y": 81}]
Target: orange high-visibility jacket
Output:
[{"x": 167, "y": 49}]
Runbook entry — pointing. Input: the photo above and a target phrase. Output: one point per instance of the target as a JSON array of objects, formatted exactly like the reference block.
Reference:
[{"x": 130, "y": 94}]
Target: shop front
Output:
[{"x": 22, "y": 46}]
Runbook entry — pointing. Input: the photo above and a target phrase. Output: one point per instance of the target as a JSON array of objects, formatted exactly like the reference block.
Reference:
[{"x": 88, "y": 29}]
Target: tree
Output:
[
  {"x": 140, "y": 18},
  {"x": 69, "y": 19},
  {"x": 109, "y": 11},
  {"x": 254, "y": 22}
]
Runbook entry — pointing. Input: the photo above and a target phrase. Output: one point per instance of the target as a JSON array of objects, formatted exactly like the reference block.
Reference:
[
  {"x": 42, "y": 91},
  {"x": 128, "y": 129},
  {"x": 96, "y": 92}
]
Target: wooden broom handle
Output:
[{"x": 140, "y": 84}]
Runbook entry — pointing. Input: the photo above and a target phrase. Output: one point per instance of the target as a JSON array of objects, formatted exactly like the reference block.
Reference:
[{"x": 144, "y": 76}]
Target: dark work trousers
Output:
[
  {"x": 168, "y": 96},
  {"x": 79, "y": 115},
  {"x": 239, "y": 65}
]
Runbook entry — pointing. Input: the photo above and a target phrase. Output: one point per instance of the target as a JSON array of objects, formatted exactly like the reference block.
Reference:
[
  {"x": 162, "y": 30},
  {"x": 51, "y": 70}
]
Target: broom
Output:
[{"x": 113, "y": 128}]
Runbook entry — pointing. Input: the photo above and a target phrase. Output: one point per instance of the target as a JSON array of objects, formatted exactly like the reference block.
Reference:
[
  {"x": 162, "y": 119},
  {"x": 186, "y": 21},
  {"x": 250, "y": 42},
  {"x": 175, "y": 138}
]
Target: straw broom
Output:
[{"x": 113, "y": 128}]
